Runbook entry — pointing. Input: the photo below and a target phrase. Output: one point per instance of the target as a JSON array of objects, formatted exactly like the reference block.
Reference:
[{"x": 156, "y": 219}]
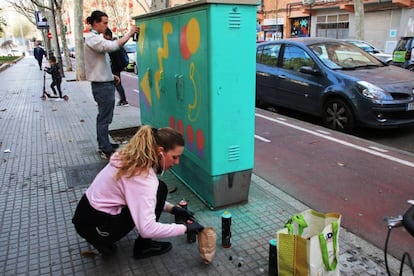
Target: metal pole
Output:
[{"x": 59, "y": 56}]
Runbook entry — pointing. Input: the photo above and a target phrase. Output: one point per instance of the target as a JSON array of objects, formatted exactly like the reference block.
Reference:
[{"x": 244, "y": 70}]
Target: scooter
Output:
[{"x": 46, "y": 95}]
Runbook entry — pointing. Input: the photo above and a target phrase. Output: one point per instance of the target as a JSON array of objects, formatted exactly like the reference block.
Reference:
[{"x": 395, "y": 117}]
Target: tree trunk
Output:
[
  {"x": 359, "y": 19},
  {"x": 78, "y": 31},
  {"x": 63, "y": 36}
]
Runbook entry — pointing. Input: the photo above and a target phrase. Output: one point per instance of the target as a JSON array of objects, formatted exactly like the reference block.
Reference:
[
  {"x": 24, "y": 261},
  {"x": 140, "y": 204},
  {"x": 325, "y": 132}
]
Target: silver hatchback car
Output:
[{"x": 334, "y": 80}]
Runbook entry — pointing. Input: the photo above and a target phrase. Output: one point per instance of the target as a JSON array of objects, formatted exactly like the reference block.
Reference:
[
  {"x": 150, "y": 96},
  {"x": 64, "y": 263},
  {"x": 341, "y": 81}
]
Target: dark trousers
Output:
[
  {"x": 120, "y": 88},
  {"x": 99, "y": 228},
  {"x": 104, "y": 95},
  {"x": 56, "y": 83},
  {"x": 39, "y": 61}
]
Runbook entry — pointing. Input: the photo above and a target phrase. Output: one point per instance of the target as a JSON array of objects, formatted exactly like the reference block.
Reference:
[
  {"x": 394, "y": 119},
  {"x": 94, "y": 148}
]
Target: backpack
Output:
[
  {"x": 119, "y": 59},
  {"x": 124, "y": 59}
]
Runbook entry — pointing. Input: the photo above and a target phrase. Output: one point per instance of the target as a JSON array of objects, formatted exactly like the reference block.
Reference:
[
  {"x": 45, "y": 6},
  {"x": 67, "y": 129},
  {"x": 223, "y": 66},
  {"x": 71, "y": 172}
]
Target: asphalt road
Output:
[{"x": 365, "y": 177}]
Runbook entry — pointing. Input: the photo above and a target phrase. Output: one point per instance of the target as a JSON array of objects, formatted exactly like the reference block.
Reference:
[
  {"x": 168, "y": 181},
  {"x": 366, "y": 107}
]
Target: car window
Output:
[
  {"x": 268, "y": 54},
  {"x": 401, "y": 45},
  {"x": 363, "y": 46},
  {"x": 130, "y": 48},
  {"x": 294, "y": 58},
  {"x": 344, "y": 56}
]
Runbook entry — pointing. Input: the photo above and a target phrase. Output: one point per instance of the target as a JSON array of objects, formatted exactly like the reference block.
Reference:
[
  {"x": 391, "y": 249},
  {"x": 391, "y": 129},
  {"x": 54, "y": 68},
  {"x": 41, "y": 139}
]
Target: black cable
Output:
[
  {"x": 405, "y": 255},
  {"x": 386, "y": 250},
  {"x": 410, "y": 263}
]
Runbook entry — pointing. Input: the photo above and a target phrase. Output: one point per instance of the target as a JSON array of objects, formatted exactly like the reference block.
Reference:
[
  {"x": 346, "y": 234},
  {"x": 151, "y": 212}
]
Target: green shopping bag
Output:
[{"x": 308, "y": 245}]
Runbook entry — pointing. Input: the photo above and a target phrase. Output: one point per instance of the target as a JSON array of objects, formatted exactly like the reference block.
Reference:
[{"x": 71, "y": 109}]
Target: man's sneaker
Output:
[
  {"x": 156, "y": 248},
  {"x": 124, "y": 104},
  {"x": 105, "y": 155},
  {"x": 114, "y": 147}
]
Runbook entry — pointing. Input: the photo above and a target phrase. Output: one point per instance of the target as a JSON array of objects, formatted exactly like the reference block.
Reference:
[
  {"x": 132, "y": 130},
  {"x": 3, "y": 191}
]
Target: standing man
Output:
[
  {"x": 39, "y": 53},
  {"x": 118, "y": 65},
  {"x": 98, "y": 72}
]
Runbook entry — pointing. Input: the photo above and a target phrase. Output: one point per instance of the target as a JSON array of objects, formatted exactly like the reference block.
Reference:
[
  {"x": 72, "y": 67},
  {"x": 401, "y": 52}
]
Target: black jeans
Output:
[
  {"x": 99, "y": 228},
  {"x": 56, "y": 83},
  {"x": 120, "y": 88}
]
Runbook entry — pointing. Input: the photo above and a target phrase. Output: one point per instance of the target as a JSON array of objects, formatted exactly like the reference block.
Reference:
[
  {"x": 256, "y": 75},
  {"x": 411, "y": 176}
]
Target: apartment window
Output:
[{"x": 333, "y": 26}]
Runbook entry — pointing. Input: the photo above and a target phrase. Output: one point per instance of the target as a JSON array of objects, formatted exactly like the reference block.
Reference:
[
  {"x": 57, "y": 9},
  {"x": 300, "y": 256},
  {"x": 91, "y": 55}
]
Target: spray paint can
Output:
[
  {"x": 182, "y": 204},
  {"x": 273, "y": 271},
  {"x": 226, "y": 229},
  {"x": 191, "y": 236}
]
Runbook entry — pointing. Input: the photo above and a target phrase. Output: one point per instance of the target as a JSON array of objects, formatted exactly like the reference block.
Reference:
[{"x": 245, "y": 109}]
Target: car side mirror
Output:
[
  {"x": 375, "y": 51},
  {"x": 309, "y": 70}
]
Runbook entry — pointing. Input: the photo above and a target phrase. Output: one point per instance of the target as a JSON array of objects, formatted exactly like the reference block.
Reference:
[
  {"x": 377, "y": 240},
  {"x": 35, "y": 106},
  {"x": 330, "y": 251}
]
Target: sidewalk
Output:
[{"x": 51, "y": 160}]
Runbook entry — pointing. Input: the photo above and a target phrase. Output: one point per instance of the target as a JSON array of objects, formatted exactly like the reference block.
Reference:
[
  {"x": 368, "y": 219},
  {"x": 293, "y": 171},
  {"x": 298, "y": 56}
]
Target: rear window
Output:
[
  {"x": 403, "y": 44},
  {"x": 268, "y": 54}
]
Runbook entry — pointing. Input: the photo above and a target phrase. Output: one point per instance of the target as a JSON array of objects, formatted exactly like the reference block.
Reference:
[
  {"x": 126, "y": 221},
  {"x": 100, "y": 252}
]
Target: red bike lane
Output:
[{"x": 330, "y": 171}]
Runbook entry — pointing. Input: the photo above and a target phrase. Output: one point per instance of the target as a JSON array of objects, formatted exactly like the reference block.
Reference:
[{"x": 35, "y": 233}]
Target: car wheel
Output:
[
  {"x": 338, "y": 115},
  {"x": 411, "y": 67}
]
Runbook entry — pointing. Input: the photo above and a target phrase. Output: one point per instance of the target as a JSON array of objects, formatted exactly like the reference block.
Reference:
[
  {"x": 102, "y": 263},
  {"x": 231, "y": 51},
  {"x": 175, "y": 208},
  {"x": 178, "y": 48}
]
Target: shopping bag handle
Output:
[
  {"x": 324, "y": 248},
  {"x": 300, "y": 221}
]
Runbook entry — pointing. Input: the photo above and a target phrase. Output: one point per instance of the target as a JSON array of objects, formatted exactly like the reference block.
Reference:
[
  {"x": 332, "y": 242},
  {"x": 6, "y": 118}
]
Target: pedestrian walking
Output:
[
  {"x": 128, "y": 194},
  {"x": 98, "y": 72},
  {"x": 119, "y": 60},
  {"x": 39, "y": 53},
  {"x": 56, "y": 77}
]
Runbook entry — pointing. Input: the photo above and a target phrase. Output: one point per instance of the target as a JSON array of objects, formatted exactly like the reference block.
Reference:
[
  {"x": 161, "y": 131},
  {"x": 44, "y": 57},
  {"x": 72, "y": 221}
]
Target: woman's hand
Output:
[{"x": 182, "y": 213}]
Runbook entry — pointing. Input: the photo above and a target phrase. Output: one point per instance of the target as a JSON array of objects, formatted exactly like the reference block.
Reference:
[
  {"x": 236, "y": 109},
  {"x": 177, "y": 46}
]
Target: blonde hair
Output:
[{"x": 141, "y": 153}]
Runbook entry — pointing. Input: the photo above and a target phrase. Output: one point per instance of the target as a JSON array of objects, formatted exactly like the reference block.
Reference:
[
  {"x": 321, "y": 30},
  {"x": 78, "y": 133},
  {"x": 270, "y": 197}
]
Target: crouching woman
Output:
[{"x": 127, "y": 193}]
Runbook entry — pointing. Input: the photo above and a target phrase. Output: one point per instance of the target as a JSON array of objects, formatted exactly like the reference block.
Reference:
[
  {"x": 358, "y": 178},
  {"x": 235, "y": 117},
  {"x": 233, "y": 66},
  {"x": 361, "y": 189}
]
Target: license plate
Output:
[{"x": 410, "y": 106}]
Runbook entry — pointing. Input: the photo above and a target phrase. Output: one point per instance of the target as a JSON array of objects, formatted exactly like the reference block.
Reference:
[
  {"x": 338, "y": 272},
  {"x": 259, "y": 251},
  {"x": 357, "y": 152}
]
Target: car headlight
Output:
[{"x": 371, "y": 91}]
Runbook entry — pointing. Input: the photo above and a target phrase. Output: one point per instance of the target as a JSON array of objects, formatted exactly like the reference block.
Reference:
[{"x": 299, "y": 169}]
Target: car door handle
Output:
[
  {"x": 263, "y": 74},
  {"x": 281, "y": 76}
]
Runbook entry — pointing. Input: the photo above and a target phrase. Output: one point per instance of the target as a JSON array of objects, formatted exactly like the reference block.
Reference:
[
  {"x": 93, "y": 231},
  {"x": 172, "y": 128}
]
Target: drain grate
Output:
[{"x": 82, "y": 175}]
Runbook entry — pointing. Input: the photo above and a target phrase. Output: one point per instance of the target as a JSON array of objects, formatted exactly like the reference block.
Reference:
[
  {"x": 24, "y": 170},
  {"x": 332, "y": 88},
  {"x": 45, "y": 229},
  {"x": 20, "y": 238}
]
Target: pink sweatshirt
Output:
[{"x": 109, "y": 195}]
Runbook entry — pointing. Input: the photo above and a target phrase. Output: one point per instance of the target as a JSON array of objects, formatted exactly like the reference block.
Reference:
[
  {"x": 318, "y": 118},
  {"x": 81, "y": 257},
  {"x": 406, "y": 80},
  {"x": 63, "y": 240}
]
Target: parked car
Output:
[
  {"x": 403, "y": 54},
  {"x": 15, "y": 52},
  {"x": 131, "y": 49},
  {"x": 369, "y": 48},
  {"x": 334, "y": 80}
]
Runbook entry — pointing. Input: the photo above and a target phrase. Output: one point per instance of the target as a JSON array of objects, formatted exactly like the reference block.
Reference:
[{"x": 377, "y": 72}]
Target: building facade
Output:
[{"x": 384, "y": 21}]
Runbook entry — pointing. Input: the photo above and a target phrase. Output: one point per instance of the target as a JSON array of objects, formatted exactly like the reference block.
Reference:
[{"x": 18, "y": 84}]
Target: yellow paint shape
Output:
[
  {"x": 193, "y": 35},
  {"x": 141, "y": 38},
  {"x": 162, "y": 53},
  {"x": 146, "y": 87}
]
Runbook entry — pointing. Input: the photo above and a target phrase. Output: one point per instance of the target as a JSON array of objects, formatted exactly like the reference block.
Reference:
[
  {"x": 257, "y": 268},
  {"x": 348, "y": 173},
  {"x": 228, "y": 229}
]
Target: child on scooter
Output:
[{"x": 56, "y": 77}]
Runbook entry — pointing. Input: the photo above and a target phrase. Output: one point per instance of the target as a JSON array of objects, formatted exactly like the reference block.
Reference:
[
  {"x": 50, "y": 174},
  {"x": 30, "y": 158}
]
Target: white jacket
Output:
[{"x": 97, "y": 61}]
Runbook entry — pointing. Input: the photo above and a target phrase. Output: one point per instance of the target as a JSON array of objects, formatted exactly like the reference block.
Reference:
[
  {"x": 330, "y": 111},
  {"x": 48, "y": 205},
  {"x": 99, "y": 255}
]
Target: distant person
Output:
[
  {"x": 98, "y": 72},
  {"x": 56, "y": 77},
  {"x": 127, "y": 193},
  {"x": 39, "y": 53},
  {"x": 118, "y": 65}
]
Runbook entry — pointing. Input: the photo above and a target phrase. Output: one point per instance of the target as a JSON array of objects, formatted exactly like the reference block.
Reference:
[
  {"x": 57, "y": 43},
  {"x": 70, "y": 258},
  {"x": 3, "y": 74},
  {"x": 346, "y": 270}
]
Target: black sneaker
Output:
[
  {"x": 124, "y": 104},
  {"x": 156, "y": 248}
]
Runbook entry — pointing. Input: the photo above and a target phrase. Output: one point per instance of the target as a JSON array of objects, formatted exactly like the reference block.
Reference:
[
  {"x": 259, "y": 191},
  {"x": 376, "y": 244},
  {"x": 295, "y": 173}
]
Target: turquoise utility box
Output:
[{"x": 197, "y": 70}]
